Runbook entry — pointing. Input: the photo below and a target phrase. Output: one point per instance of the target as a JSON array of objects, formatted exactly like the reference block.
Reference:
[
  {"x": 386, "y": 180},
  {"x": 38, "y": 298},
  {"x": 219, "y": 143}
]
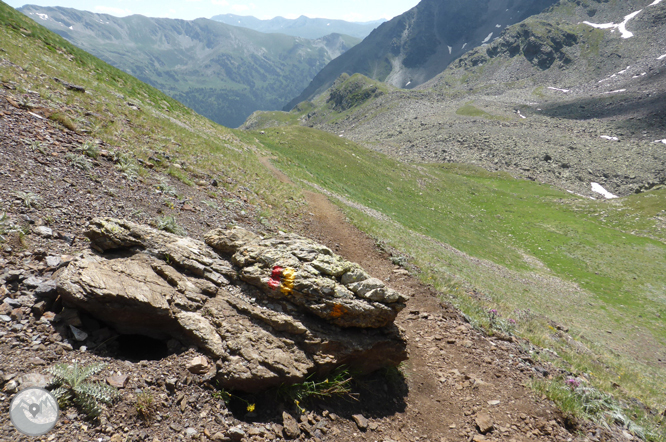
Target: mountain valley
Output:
[{"x": 223, "y": 72}]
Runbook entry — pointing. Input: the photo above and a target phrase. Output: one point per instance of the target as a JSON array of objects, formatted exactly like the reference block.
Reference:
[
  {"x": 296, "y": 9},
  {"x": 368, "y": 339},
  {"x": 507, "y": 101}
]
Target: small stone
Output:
[
  {"x": 5, "y": 318},
  {"x": 627, "y": 435},
  {"x": 191, "y": 432},
  {"x": 361, "y": 421},
  {"x": 484, "y": 423},
  {"x": 11, "y": 387},
  {"x": 36, "y": 361},
  {"x": 118, "y": 381},
  {"x": 46, "y": 289},
  {"x": 235, "y": 433},
  {"x": 79, "y": 334},
  {"x": 31, "y": 380},
  {"x": 16, "y": 315},
  {"x": 493, "y": 402},
  {"x": 116, "y": 438},
  {"x": 44, "y": 231},
  {"x": 171, "y": 384},
  {"x": 198, "y": 365},
  {"x": 220, "y": 437},
  {"x": 53, "y": 261},
  {"x": 290, "y": 426}
]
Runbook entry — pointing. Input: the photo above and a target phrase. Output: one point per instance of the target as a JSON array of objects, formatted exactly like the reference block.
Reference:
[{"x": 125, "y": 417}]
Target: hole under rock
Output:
[{"x": 141, "y": 348}]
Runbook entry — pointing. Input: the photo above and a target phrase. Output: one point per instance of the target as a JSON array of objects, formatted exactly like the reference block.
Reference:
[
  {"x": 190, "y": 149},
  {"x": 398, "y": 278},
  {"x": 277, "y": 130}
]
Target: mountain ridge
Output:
[
  {"x": 416, "y": 46},
  {"x": 302, "y": 26}
]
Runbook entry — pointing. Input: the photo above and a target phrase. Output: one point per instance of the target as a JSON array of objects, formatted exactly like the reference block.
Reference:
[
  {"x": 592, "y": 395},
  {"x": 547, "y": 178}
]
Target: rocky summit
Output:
[{"x": 275, "y": 311}]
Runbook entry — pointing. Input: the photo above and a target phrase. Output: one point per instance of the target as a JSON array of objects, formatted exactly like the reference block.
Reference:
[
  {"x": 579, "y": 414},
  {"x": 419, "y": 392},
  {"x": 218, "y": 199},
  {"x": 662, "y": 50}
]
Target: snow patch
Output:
[
  {"x": 662, "y": 57},
  {"x": 521, "y": 115},
  {"x": 463, "y": 47},
  {"x": 596, "y": 187},
  {"x": 616, "y": 92},
  {"x": 498, "y": 26},
  {"x": 622, "y": 27},
  {"x": 408, "y": 83},
  {"x": 557, "y": 89},
  {"x": 661, "y": 141},
  {"x": 71, "y": 27},
  {"x": 43, "y": 16},
  {"x": 488, "y": 38},
  {"x": 450, "y": 49},
  {"x": 624, "y": 70},
  {"x": 639, "y": 76},
  {"x": 655, "y": 3},
  {"x": 606, "y": 137}
]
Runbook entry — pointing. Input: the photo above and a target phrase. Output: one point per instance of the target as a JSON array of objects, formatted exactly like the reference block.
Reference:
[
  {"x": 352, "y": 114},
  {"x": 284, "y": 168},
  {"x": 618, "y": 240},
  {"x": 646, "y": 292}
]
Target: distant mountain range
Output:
[
  {"x": 414, "y": 47},
  {"x": 223, "y": 72},
  {"x": 302, "y": 26}
]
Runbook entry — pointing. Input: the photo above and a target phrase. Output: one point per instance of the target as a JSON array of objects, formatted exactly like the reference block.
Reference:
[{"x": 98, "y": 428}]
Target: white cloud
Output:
[
  {"x": 113, "y": 11},
  {"x": 220, "y": 2}
]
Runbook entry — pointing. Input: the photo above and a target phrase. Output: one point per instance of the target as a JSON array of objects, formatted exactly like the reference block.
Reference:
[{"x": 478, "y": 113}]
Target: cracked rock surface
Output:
[{"x": 276, "y": 311}]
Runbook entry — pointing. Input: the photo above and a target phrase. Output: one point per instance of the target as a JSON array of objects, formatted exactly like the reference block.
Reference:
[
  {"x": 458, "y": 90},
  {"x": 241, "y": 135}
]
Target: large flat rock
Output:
[{"x": 267, "y": 310}]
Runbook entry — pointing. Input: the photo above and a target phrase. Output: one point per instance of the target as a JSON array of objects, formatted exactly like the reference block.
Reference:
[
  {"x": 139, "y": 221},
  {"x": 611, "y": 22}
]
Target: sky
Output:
[{"x": 350, "y": 10}]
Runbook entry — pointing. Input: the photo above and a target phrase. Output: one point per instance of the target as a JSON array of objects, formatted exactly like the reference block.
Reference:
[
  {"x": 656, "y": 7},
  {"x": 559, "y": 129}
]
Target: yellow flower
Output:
[{"x": 250, "y": 408}]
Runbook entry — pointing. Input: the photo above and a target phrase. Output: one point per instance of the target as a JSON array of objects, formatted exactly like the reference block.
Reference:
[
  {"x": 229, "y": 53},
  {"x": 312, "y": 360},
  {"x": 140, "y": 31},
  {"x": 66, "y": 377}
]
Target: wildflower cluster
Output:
[{"x": 498, "y": 324}]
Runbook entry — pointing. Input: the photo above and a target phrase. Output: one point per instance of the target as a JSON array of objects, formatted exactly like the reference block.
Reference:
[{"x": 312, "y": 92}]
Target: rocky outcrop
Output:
[{"x": 267, "y": 310}]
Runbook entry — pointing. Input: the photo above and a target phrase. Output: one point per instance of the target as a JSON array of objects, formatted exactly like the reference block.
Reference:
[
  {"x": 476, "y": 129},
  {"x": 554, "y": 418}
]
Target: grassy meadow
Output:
[{"x": 547, "y": 259}]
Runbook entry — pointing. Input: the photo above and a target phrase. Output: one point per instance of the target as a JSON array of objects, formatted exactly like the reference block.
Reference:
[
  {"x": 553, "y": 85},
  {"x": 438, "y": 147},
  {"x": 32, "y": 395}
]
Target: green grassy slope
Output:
[
  {"x": 223, "y": 72},
  {"x": 492, "y": 241},
  {"x": 32, "y": 56}
]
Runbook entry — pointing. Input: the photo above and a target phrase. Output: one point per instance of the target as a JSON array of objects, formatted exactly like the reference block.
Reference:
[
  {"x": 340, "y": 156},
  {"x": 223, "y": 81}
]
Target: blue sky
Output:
[{"x": 351, "y": 10}]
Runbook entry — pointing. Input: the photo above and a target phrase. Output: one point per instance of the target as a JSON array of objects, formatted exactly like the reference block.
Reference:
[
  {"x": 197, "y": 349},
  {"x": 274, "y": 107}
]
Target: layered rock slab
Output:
[{"x": 275, "y": 312}]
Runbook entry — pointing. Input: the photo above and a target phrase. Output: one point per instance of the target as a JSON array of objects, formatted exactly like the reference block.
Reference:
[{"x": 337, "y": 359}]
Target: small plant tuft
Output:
[
  {"x": 64, "y": 120},
  {"x": 90, "y": 150},
  {"x": 30, "y": 200},
  {"x": 70, "y": 386},
  {"x": 145, "y": 405},
  {"x": 338, "y": 384},
  {"x": 79, "y": 161},
  {"x": 169, "y": 224},
  {"x": 166, "y": 188}
]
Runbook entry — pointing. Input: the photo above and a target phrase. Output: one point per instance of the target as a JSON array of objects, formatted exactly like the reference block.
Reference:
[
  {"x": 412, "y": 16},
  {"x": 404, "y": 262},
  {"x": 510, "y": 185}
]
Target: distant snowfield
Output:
[
  {"x": 560, "y": 90},
  {"x": 43, "y": 16},
  {"x": 606, "y": 137},
  {"x": 622, "y": 27},
  {"x": 488, "y": 38},
  {"x": 597, "y": 188}
]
